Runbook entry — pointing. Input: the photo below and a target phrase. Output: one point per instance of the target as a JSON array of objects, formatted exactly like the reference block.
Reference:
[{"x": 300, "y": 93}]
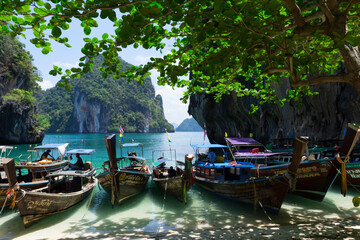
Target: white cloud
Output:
[
  {"x": 140, "y": 59},
  {"x": 45, "y": 84},
  {"x": 66, "y": 65}
]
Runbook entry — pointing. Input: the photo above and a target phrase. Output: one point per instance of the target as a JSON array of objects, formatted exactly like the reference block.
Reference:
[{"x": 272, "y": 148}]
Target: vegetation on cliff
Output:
[
  {"x": 130, "y": 104},
  {"x": 19, "y": 121},
  {"x": 16, "y": 69}
]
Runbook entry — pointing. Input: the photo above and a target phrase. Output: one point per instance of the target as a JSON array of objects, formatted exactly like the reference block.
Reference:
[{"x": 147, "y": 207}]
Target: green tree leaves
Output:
[{"x": 214, "y": 41}]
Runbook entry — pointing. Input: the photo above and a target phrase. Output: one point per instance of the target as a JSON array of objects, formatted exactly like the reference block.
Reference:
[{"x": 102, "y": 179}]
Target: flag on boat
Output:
[
  {"x": 225, "y": 134},
  {"x": 121, "y": 130},
  {"x": 204, "y": 132},
  {"x": 167, "y": 135}
]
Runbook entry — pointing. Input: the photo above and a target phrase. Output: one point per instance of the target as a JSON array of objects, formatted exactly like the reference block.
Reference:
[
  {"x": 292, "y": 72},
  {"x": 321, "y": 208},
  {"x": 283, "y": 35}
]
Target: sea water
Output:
[{"x": 153, "y": 213}]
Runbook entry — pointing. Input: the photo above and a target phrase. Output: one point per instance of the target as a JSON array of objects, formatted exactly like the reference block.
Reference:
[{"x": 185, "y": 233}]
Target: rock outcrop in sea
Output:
[{"x": 322, "y": 117}]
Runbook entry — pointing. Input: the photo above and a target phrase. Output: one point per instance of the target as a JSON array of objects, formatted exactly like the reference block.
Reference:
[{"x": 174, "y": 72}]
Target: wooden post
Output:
[
  {"x": 110, "y": 142},
  {"x": 9, "y": 167},
  {"x": 350, "y": 139},
  {"x": 299, "y": 148}
]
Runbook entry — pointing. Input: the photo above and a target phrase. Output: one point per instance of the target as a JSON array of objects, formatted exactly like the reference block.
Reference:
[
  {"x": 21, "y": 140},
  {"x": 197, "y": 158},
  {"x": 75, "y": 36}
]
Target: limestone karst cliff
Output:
[
  {"x": 323, "y": 117},
  {"x": 95, "y": 105},
  {"x": 18, "y": 122}
]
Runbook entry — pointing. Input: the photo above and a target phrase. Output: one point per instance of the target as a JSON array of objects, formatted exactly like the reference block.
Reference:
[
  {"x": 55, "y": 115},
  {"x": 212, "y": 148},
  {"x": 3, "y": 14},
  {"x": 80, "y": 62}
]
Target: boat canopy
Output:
[
  {"x": 243, "y": 142},
  {"x": 131, "y": 144},
  {"x": 61, "y": 147},
  {"x": 160, "y": 161},
  {"x": 75, "y": 173},
  {"x": 5, "y": 151},
  {"x": 52, "y": 146},
  {"x": 208, "y": 146},
  {"x": 81, "y": 151},
  {"x": 258, "y": 155},
  {"x": 131, "y": 158},
  {"x": 2, "y": 148}
]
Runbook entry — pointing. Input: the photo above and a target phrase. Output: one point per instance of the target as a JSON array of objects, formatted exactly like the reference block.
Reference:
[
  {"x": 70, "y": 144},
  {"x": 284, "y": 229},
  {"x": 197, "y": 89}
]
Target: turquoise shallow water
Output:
[{"x": 152, "y": 213}]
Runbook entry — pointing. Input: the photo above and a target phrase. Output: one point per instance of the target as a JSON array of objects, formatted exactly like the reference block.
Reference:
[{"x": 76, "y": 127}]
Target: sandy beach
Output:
[
  {"x": 300, "y": 218},
  {"x": 329, "y": 229}
]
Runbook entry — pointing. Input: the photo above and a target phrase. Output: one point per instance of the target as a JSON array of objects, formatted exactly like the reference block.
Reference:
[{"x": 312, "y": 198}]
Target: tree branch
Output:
[
  {"x": 322, "y": 79},
  {"x": 351, "y": 4},
  {"x": 296, "y": 12},
  {"x": 275, "y": 70},
  {"x": 325, "y": 9}
]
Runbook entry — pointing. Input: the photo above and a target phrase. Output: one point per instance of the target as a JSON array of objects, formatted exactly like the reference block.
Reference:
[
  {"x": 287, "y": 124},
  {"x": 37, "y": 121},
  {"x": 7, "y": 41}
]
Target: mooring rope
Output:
[
  {"x": 256, "y": 200},
  {"x": 264, "y": 210},
  {"x": 347, "y": 181},
  {"x": 162, "y": 210},
  {"x": 88, "y": 206},
  {"x": 4, "y": 204}
]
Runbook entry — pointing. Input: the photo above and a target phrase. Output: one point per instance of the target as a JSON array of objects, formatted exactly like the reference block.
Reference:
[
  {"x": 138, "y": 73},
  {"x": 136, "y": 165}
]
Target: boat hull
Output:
[
  {"x": 34, "y": 179},
  {"x": 129, "y": 184},
  {"x": 25, "y": 186},
  {"x": 314, "y": 178},
  {"x": 173, "y": 186},
  {"x": 352, "y": 174},
  {"x": 266, "y": 192},
  {"x": 35, "y": 205}
]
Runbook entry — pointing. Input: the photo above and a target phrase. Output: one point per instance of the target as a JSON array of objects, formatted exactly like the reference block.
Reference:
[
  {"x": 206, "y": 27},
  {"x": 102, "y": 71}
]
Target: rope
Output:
[
  {"x": 162, "y": 210},
  {"x": 256, "y": 200},
  {"x": 3, "y": 205},
  {"x": 343, "y": 173},
  {"x": 87, "y": 208},
  {"x": 357, "y": 189},
  {"x": 265, "y": 211}
]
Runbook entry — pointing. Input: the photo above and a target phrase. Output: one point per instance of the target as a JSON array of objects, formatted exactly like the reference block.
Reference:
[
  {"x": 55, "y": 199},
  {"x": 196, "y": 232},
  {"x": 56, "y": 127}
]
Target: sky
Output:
[{"x": 175, "y": 111}]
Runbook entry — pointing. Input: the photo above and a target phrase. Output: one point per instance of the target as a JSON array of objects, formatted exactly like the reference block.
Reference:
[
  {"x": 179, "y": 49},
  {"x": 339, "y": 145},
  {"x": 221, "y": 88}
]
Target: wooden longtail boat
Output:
[
  {"x": 127, "y": 180},
  {"x": 232, "y": 179},
  {"x": 314, "y": 177},
  {"x": 315, "y": 174},
  {"x": 39, "y": 203},
  {"x": 31, "y": 173},
  {"x": 329, "y": 149},
  {"x": 176, "y": 182}
]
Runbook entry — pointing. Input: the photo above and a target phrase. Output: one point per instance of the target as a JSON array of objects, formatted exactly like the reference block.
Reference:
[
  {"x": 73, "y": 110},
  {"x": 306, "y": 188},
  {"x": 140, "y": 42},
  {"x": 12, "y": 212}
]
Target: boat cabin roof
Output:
[
  {"x": 131, "y": 144},
  {"x": 160, "y": 161},
  {"x": 243, "y": 142},
  {"x": 208, "y": 146},
  {"x": 258, "y": 155},
  {"x": 52, "y": 146},
  {"x": 131, "y": 158},
  {"x": 226, "y": 165},
  {"x": 6, "y": 147},
  {"x": 81, "y": 151},
  {"x": 75, "y": 173}
]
